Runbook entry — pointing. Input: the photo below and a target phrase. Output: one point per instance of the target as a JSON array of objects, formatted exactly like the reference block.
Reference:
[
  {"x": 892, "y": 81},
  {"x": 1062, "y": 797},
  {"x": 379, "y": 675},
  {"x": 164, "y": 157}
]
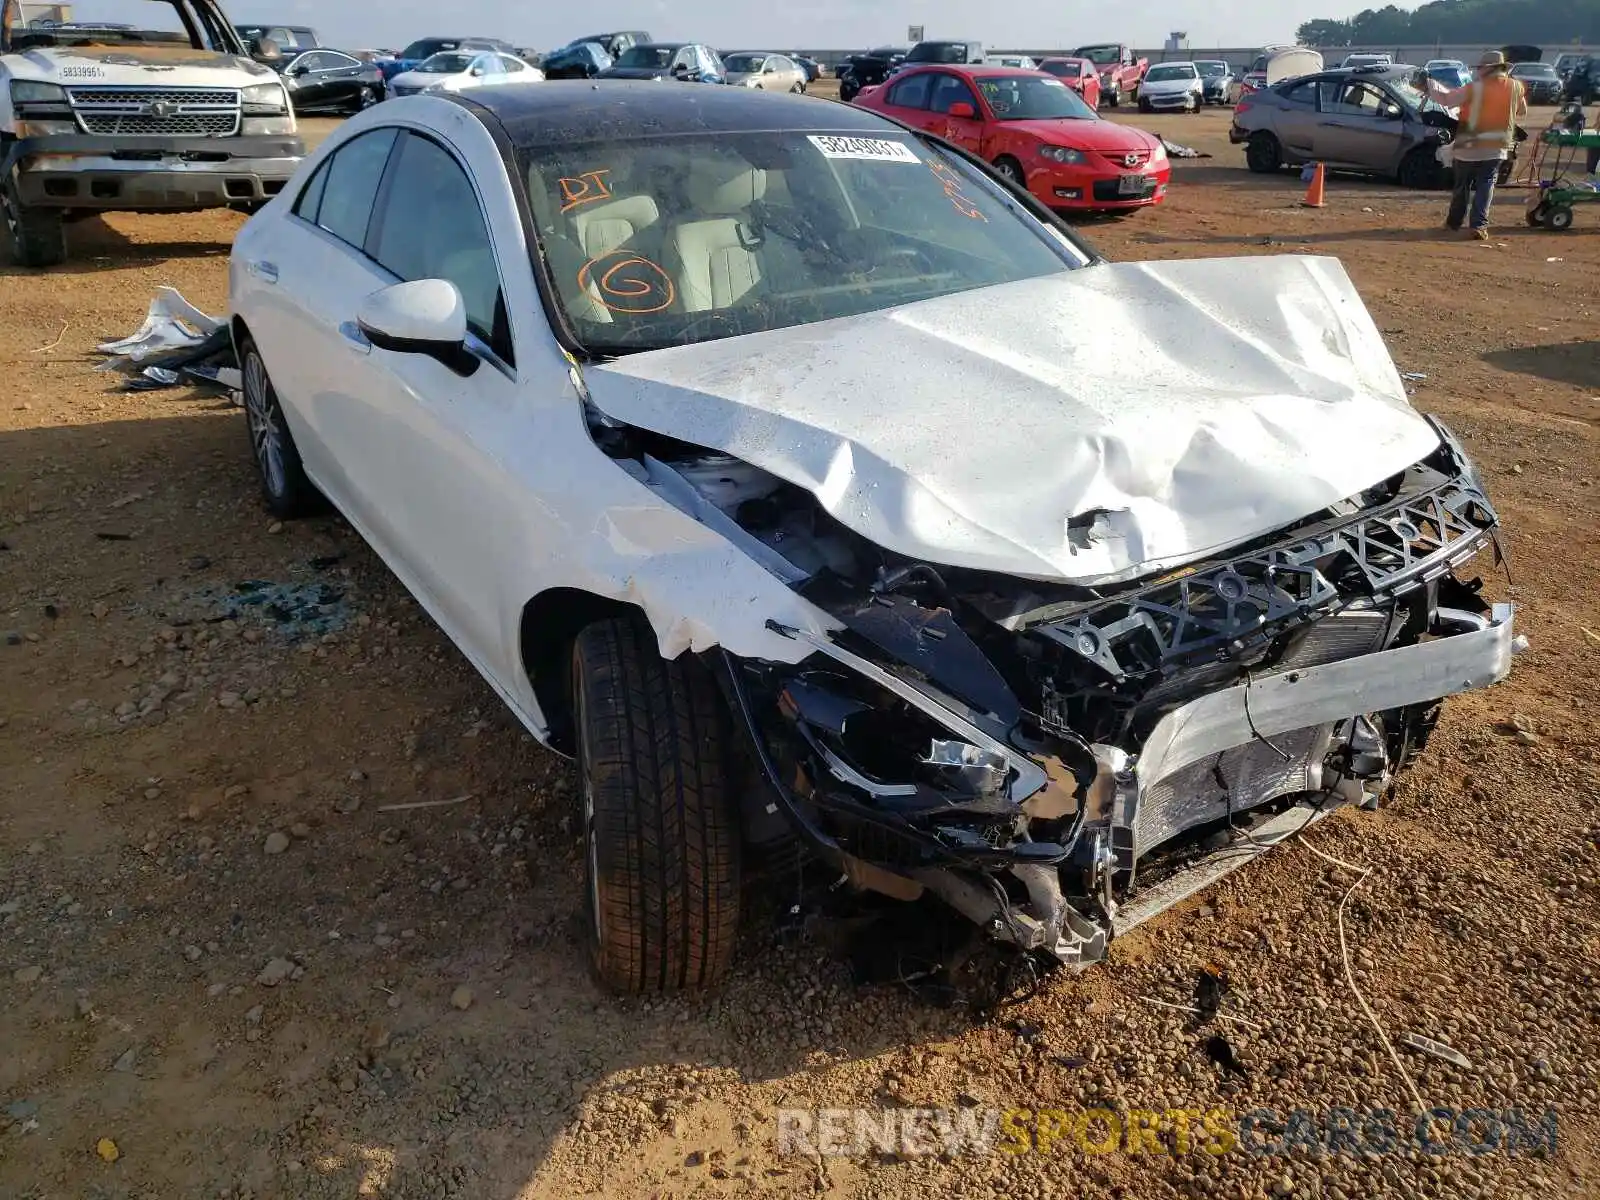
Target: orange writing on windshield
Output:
[
  {"x": 627, "y": 283},
  {"x": 584, "y": 189}
]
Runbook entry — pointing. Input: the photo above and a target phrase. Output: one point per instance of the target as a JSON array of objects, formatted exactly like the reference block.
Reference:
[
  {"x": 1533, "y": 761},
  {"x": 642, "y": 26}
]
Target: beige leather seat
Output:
[
  {"x": 601, "y": 228},
  {"x": 714, "y": 268}
]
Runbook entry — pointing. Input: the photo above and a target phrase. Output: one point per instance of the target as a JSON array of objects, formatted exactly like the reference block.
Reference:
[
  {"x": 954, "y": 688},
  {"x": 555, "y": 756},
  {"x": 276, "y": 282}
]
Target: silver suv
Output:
[{"x": 1372, "y": 120}]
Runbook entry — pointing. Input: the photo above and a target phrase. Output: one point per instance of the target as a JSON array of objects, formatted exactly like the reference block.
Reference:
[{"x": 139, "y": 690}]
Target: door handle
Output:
[
  {"x": 354, "y": 338},
  {"x": 264, "y": 271}
]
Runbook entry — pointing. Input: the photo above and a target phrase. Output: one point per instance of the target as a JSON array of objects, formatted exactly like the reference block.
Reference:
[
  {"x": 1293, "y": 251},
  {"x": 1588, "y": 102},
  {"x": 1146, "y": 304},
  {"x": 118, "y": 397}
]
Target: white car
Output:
[
  {"x": 460, "y": 70},
  {"x": 1168, "y": 86},
  {"x": 767, "y": 458}
]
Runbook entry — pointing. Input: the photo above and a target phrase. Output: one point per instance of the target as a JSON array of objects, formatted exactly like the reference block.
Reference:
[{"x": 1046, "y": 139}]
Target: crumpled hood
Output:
[
  {"x": 135, "y": 66},
  {"x": 1165, "y": 410}
]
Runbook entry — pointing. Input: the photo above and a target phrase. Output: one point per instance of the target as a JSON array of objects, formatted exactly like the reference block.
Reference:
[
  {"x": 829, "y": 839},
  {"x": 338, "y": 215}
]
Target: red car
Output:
[
  {"x": 1078, "y": 74},
  {"x": 1035, "y": 130}
]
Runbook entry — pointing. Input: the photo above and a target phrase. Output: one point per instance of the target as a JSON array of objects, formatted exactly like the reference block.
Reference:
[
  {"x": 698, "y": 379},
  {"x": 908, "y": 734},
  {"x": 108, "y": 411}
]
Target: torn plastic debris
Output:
[
  {"x": 1176, "y": 151},
  {"x": 171, "y": 322},
  {"x": 176, "y": 341}
]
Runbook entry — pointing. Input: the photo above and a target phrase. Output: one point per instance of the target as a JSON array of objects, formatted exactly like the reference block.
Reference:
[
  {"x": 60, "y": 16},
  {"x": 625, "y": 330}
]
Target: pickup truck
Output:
[
  {"x": 168, "y": 116},
  {"x": 1120, "y": 70}
]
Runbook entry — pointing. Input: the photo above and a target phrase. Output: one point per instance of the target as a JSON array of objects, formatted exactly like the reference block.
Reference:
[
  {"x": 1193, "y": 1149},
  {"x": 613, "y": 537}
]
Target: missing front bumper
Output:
[{"x": 1467, "y": 653}]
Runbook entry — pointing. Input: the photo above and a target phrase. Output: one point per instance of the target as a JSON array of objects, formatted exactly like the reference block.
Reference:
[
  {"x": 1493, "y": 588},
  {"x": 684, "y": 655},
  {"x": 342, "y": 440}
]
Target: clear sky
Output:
[{"x": 814, "y": 24}]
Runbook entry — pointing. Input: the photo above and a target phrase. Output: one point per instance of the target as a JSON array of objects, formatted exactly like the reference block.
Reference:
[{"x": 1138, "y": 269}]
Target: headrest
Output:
[{"x": 725, "y": 186}]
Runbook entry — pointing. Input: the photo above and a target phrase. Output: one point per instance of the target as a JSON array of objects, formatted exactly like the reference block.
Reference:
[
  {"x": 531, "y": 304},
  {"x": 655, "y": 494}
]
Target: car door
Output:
[
  {"x": 907, "y": 99},
  {"x": 430, "y": 488},
  {"x": 313, "y": 87},
  {"x": 947, "y": 92},
  {"x": 306, "y": 284},
  {"x": 344, "y": 77},
  {"x": 1353, "y": 125},
  {"x": 512, "y": 70},
  {"x": 1296, "y": 116}
]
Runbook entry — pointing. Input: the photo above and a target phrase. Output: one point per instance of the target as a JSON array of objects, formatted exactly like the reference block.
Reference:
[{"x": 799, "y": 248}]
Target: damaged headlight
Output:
[
  {"x": 265, "y": 100},
  {"x": 28, "y": 91}
]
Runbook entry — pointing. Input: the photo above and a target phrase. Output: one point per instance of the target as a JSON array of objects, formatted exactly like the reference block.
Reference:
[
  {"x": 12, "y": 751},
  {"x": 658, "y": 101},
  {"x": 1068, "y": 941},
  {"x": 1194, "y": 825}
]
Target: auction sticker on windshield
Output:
[{"x": 866, "y": 149}]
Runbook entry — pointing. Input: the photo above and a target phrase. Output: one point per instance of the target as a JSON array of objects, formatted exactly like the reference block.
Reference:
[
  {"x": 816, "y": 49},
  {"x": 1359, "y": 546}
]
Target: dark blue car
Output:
[
  {"x": 686, "y": 62},
  {"x": 580, "y": 60}
]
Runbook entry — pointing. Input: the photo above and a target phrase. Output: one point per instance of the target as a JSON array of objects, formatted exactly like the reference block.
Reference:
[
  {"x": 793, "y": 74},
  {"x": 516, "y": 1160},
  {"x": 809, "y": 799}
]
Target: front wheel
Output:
[
  {"x": 1420, "y": 169},
  {"x": 661, "y": 843},
  {"x": 284, "y": 485},
  {"x": 37, "y": 236},
  {"x": 1144, "y": 106},
  {"x": 1558, "y": 219},
  {"x": 1011, "y": 171}
]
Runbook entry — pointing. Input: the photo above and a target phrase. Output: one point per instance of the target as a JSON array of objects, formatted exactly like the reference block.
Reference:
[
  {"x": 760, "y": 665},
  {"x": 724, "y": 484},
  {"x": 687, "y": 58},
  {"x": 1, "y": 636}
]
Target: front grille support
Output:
[{"x": 160, "y": 112}]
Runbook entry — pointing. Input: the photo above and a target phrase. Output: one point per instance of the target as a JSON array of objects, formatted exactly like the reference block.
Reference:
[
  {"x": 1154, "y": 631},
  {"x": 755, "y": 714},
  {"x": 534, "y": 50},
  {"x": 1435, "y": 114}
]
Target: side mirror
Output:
[
  {"x": 680, "y": 68},
  {"x": 299, "y": 69},
  {"x": 425, "y": 316},
  {"x": 963, "y": 111},
  {"x": 477, "y": 72},
  {"x": 1392, "y": 112}
]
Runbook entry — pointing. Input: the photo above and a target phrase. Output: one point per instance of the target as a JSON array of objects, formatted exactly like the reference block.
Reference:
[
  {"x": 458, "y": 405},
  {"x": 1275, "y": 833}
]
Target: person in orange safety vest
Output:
[{"x": 1490, "y": 106}]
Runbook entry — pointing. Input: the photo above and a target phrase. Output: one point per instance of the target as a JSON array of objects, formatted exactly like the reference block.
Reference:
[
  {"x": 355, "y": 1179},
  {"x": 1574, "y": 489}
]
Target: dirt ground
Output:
[{"x": 394, "y": 1002}]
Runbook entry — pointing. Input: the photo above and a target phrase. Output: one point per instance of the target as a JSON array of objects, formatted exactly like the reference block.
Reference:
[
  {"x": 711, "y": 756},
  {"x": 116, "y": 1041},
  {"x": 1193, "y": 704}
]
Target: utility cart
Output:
[{"x": 1563, "y": 179}]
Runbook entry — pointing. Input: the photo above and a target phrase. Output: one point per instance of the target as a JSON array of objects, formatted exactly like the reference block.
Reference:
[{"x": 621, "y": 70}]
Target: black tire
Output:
[
  {"x": 661, "y": 840},
  {"x": 848, "y": 91},
  {"x": 284, "y": 486},
  {"x": 1535, "y": 215},
  {"x": 1419, "y": 169},
  {"x": 37, "y": 236},
  {"x": 1115, "y": 98},
  {"x": 1145, "y": 106},
  {"x": 1263, "y": 154},
  {"x": 798, "y": 89},
  {"x": 1011, "y": 170},
  {"x": 1558, "y": 219}
]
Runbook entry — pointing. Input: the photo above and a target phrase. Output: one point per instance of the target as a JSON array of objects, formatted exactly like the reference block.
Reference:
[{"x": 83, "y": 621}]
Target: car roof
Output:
[{"x": 578, "y": 110}]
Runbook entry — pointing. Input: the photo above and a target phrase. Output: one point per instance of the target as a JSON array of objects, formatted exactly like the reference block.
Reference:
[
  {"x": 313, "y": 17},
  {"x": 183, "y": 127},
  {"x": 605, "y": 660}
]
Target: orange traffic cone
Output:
[{"x": 1314, "y": 192}]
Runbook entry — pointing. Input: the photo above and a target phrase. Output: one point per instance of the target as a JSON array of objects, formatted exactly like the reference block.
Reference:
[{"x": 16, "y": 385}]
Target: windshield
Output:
[
  {"x": 446, "y": 64},
  {"x": 671, "y": 241},
  {"x": 1101, "y": 56},
  {"x": 744, "y": 64},
  {"x": 103, "y": 23},
  {"x": 1068, "y": 70},
  {"x": 1033, "y": 98},
  {"x": 938, "y": 52},
  {"x": 1210, "y": 70},
  {"x": 1402, "y": 87},
  {"x": 647, "y": 56},
  {"x": 427, "y": 48},
  {"x": 1158, "y": 74}
]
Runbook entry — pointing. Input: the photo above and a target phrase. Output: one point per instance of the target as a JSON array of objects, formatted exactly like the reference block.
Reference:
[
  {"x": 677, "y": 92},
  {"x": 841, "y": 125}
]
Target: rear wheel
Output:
[
  {"x": 1558, "y": 219},
  {"x": 1263, "y": 154},
  {"x": 661, "y": 865},
  {"x": 1535, "y": 215},
  {"x": 37, "y": 236}
]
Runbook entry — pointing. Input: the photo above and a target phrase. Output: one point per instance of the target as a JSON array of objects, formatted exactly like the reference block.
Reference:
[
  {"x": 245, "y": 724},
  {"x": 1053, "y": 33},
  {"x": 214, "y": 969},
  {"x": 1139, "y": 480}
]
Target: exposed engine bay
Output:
[{"x": 1060, "y": 762}]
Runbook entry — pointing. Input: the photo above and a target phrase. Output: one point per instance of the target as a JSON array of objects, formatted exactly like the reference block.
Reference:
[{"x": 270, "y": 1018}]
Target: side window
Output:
[
  {"x": 310, "y": 201},
  {"x": 314, "y": 62},
  {"x": 1304, "y": 93},
  {"x": 912, "y": 92},
  {"x": 353, "y": 176},
  {"x": 338, "y": 62},
  {"x": 509, "y": 65},
  {"x": 433, "y": 228},
  {"x": 949, "y": 90}
]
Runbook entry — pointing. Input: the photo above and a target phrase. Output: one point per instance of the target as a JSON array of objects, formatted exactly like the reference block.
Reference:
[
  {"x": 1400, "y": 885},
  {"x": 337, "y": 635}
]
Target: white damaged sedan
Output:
[{"x": 812, "y": 488}]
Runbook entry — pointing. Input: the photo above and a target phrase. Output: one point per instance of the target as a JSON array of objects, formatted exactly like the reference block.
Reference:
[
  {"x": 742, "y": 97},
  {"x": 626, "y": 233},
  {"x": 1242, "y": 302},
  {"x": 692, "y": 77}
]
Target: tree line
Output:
[{"x": 1545, "y": 23}]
